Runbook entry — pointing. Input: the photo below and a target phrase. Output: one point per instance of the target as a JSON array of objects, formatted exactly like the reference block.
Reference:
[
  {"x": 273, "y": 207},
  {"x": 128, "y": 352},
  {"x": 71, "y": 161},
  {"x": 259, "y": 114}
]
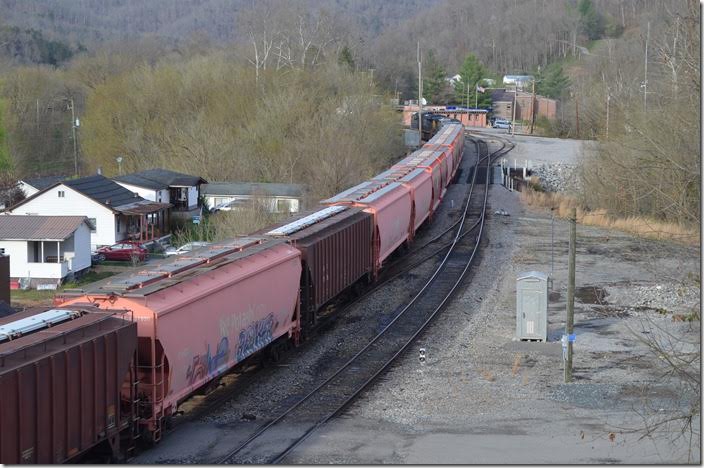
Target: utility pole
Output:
[
  {"x": 420, "y": 104},
  {"x": 608, "y": 99},
  {"x": 569, "y": 326},
  {"x": 75, "y": 147},
  {"x": 645, "y": 83},
  {"x": 513, "y": 119},
  {"x": 576, "y": 111},
  {"x": 532, "y": 109},
  {"x": 467, "y": 94}
]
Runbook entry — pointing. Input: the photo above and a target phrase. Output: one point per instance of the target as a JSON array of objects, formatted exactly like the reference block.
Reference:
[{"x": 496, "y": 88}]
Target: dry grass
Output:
[
  {"x": 516, "y": 364},
  {"x": 486, "y": 375},
  {"x": 643, "y": 227}
]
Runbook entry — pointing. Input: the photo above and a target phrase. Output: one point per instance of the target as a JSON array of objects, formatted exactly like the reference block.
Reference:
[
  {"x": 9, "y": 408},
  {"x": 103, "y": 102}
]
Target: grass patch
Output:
[
  {"x": 32, "y": 297},
  {"x": 637, "y": 225}
]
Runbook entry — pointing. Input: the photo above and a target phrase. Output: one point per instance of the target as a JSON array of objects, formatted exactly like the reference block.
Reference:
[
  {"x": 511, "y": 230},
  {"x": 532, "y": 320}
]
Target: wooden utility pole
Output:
[
  {"x": 608, "y": 100},
  {"x": 576, "y": 111},
  {"x": 645, "y": 83},
  {"x": 532, "y": 110},
  {"x": 75, "y": 146},
  {"x": 513, "y": 119},
  {"x": 569, "y": 326}
]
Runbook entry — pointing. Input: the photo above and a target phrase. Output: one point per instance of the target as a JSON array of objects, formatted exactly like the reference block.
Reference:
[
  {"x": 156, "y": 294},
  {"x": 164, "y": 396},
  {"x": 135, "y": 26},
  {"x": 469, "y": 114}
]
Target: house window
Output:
[
  {"x": 62, "y": 194},
  {"x": 93, "y": 224},
  {"x": 282, "y": 206},
  {"x": 2, "y": 251},
  {"x": 117, "y": 221}
]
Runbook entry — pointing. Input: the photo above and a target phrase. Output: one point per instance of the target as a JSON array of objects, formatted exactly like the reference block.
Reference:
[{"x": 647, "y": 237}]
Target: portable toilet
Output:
[{"x": 532, "y": 306}]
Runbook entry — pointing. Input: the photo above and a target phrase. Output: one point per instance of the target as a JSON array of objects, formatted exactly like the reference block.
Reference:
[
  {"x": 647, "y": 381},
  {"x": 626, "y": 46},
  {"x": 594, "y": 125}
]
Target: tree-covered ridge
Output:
[{"x": 31, "y": 46}]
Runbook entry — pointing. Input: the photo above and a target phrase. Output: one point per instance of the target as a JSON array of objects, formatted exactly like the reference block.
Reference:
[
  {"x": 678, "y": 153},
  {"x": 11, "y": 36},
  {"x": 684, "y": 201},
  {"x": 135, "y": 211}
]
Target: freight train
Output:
[{"x": 113, "y": 361}]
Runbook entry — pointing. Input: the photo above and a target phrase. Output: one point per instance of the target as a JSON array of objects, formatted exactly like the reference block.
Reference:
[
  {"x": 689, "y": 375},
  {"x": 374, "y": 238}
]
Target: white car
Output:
[
  {"x": 501, "y": 123},
  {"x": 185, "y": 248}
]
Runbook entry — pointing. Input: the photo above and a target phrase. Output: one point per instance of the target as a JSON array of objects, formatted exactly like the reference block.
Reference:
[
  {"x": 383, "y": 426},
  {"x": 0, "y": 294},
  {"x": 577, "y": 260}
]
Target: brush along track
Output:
[{"x": 272, "y": 442}]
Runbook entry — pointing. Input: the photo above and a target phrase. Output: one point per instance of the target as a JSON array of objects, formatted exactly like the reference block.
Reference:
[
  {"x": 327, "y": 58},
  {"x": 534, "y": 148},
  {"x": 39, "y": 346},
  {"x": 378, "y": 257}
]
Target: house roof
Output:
[
  {"x": 18, "y": 227},
  {"x": 160, "y": 179},
  {"x": 103, "y": 190},
  {"x": 40, "y": 183},
  {"x": 252, "y": 188}
]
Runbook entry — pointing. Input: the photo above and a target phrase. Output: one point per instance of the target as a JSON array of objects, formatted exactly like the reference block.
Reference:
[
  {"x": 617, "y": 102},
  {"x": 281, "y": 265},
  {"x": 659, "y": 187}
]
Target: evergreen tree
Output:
[
  {"x": 591, "y": 21},
  {"x": 551, "y": 81},
  {"x": 434, "y": 83},
  {"x": 472, "y": 73},
  {"x": 346, "y": 59}
]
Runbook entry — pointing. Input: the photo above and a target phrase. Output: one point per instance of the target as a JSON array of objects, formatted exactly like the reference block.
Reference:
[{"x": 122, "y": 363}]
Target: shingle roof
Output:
[
  {"x": 40, "y": 183},
  {"x": 160, "y": 179},
  {"x": 17, "y": 227},
  {"x": 103, "y": 190},
  {"x": 252, "y": 188}
]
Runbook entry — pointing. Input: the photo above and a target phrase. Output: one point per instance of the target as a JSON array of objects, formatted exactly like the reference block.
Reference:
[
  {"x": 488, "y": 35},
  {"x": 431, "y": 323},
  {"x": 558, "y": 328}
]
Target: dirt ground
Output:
[{"x": 482, "y": 397}]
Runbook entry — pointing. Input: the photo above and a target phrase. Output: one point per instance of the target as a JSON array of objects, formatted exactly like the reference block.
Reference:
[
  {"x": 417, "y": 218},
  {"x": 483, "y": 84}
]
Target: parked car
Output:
[
  {"x": 184, "y": 248},
  {"x": 502, "y": 123},
  {"x": 125, "y": 250}
]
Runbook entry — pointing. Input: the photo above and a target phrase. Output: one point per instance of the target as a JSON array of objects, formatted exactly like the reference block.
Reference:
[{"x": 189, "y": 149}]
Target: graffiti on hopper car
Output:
[
  {"x": 256, "y": 336},
  {"x": 206, "y": 364}
]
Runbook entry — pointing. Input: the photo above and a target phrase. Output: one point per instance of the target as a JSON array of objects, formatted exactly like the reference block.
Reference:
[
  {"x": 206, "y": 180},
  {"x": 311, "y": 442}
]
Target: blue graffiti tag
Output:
[
  {"x": 207, "y": 365},
  {"x": 255, "y": 337}
]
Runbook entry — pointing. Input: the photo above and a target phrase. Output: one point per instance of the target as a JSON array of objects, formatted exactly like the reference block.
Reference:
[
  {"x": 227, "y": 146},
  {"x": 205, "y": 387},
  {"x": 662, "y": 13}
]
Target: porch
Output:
[
  {"x": 45, "y": 259},
  {"x": 144, "y": 222}
]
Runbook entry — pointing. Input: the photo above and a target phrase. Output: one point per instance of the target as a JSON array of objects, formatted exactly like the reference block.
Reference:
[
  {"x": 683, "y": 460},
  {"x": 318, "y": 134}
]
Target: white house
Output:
[
  {"x": 114, "y": 212},
  {"x": 165, "y": 186},
  {"x": 45, "y": 249},
  {"x": 277, "y": 198}
]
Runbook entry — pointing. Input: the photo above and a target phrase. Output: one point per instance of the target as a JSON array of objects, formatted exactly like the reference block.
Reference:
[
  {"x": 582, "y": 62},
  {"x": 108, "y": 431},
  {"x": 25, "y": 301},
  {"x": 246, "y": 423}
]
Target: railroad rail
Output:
[{"x": 337, "y": 391}]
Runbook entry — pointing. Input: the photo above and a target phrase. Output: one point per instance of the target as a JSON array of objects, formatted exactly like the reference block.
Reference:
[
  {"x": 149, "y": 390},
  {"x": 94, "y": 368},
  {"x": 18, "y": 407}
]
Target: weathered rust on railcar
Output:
[
  {"x": 67, "y": 388},
  {"x": 337, "y": 251}
]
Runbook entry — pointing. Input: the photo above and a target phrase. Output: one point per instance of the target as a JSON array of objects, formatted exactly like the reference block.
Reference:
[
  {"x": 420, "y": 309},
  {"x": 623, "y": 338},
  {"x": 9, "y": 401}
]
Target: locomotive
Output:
[{"x": 129, "y": 349}]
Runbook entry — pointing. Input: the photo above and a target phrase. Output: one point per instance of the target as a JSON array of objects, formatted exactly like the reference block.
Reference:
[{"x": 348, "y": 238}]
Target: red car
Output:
[{"x": 125, "y": 250}]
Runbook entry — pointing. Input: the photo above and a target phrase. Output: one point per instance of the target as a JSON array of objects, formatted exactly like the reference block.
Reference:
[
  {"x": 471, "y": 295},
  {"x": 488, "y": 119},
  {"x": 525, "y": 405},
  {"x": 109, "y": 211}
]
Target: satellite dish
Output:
[{"x": 423, "y": 101}]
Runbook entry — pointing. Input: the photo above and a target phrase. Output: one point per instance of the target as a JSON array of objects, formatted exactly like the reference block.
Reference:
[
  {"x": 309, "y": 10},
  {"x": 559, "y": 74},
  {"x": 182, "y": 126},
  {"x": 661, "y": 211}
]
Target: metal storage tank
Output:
[
  {"x": 532, "y": 306},
  {"x": 67, "y": 381}
]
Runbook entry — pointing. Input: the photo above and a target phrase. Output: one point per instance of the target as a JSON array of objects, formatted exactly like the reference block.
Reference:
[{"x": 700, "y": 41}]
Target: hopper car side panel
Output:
[
  {"x": 205, "y": 338},
  {"x": 61, "y": 388},
  {"x": 336, "y": 251},
  {"x": 422, "y": 189},
  {"x": 392, "y": 212},
  {"x": 198, "y": 327},
  {"x": 335, "y": 257}
]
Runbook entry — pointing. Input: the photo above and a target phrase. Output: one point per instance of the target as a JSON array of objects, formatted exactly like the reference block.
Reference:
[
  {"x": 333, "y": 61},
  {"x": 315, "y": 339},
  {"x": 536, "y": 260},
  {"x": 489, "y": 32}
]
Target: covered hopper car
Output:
[
  {"x": 67, "y": 380},
  {"x": 200, "y": 314}
]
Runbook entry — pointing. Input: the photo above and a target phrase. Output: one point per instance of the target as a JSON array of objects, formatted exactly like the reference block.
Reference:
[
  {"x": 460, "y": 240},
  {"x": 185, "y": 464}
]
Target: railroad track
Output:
[
  {"x": 217, "y": 395},
  {"x": 272, "y": 442}
]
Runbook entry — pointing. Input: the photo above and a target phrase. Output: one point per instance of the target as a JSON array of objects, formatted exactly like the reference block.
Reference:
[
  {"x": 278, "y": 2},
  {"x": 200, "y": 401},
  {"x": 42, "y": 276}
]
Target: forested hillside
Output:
[{"x": 295, "y": 91}]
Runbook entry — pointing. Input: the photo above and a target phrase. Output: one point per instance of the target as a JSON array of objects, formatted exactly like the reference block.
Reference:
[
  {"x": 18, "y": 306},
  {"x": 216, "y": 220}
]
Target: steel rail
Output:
[
  {"x": 458, "y": 236},
  {"x": 437, "y": 309}
]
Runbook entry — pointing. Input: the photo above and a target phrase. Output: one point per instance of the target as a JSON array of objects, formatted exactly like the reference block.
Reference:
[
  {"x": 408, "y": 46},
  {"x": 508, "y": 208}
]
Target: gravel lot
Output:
[{"x": 482, "y": 397}]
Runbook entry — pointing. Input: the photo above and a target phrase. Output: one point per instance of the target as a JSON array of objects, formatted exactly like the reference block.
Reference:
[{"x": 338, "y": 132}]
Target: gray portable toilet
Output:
[{"x": 532, "y": 306}]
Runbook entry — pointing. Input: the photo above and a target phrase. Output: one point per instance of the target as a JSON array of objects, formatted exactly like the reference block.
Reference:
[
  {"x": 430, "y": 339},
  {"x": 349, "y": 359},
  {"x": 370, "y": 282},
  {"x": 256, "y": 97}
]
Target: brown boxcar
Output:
[
  {"x": 336, "y": 247},
  {"x": 64, "y": 388}
]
